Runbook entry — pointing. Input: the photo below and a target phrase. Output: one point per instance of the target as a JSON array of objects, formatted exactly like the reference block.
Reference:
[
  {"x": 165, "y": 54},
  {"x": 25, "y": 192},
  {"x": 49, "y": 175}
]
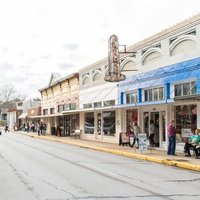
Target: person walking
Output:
[
  {"x": 171, "y": 132},
  {"x": 6, "y": 128},
  {"x": 38, "y": 128},
  {"x": 152, "y": 133},
  {"x": 136, "y": 130}
]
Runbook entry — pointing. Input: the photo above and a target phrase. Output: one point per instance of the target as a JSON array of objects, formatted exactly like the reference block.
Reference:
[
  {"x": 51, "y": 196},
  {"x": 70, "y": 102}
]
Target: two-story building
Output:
[
  {"x": 61, "y": 94},
  {"x": 166, "y": 85}
]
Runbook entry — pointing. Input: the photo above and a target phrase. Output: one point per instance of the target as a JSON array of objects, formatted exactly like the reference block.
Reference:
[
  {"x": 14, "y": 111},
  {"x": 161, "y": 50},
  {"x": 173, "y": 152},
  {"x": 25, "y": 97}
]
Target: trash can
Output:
[{"x": 53, "y": 130}]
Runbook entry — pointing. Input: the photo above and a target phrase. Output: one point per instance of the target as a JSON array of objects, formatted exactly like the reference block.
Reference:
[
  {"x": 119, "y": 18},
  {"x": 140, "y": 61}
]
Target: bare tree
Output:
[{"x": 6, "y": 92}]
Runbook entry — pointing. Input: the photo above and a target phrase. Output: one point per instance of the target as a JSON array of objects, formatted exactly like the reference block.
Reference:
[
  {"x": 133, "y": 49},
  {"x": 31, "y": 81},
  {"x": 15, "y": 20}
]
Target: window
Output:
[
  {"x": 131, "y": 117},
  {"x": 109, "y": 103},
  {"x": 73, "y": 106},
  {"x": 67, "y": 107},
  {"x": 109, "y": 123},
  {"x": 70, "y": 106},
  {"x": 45, "y": 111},
  {"x": 186, "y": 117},
  {"x": 52, "y": 110},
  {"x": 89, "y": 123},
  {"x": 184, "y": 89},
  {"x": 97, "y": 76},
  {"x": 60, "y": 108},
  {"x": 86, "y": 80},
  {"x": 155, "y": 94},
  {"x": 87, "y": 105},
  {"x": 131, "y": 97},
  {"x": 97, "y": 104}
]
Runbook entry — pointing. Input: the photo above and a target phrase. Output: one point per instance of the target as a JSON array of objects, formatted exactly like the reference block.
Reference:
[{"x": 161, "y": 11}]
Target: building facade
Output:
[
  {"x": 162, "y": 84},
  {"x": 166, "y": 85},
  {"x": 61, "y": 94}
]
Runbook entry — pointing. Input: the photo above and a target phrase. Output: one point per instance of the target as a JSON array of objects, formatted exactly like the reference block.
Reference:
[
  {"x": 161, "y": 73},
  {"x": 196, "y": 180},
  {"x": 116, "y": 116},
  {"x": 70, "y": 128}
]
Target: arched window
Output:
[
  {"x": 86, "y": 80},
  {"x": 97, "y": 75},
  {"x": 182, "y": 44}
]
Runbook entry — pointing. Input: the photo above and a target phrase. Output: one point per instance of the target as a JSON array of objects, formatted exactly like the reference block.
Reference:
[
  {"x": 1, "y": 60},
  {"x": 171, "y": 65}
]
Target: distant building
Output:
[{"x": 25, "y": 106}]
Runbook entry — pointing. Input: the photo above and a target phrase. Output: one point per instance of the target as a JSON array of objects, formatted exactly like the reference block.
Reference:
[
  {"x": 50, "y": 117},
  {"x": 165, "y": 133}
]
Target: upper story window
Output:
[
  {"x": 97, "y": 104},
  {"x": 183, "y": 89},
  {"x": 52, "y": 110},
  {"x": 60, "y": 108},
  {"x": 87, "y": 105},
  {"x": 109, "y": 103},
  {"x": 97, "y": 75},
  {"x": 131, "y": 97},
  {"x": 45, "y": 111},
  {"x": 154, "y": 94},
  {"x": 85, "y": 79}
]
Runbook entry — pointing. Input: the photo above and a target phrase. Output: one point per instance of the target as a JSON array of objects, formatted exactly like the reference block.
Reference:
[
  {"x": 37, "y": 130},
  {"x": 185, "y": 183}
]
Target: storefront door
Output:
[{"x": 158, "y": 124}]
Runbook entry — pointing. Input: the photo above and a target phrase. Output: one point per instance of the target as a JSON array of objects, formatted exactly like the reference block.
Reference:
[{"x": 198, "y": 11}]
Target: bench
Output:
[{"x": 76, "y": 133}]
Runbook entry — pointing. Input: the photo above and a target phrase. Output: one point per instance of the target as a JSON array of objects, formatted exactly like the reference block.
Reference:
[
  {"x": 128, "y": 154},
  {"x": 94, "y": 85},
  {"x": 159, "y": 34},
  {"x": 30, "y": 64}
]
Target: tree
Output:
[{"x": 6, "y": 92}]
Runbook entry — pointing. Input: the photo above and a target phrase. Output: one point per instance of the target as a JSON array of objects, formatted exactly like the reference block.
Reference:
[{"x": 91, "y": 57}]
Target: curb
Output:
[{"x": 168, "y": 162}]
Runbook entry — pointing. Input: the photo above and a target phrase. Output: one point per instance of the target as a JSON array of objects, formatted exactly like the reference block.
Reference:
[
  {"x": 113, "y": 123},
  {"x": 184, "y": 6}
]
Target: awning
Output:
[{"x": 23, "y": 116}]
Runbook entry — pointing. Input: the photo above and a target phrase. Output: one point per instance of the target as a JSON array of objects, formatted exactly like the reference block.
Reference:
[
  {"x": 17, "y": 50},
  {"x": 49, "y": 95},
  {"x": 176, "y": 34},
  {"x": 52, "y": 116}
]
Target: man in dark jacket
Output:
[{"x": 171, "y": 132}]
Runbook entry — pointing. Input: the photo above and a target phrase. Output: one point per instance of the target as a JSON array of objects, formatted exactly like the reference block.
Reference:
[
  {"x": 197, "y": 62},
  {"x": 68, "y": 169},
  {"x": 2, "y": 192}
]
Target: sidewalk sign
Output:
[
  {"x": 142, "y": 137},
  {"x": 186, "y": 132}
]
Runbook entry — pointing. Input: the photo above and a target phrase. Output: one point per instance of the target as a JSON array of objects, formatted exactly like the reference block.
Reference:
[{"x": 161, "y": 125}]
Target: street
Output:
[{"x": 34, "y": 169}]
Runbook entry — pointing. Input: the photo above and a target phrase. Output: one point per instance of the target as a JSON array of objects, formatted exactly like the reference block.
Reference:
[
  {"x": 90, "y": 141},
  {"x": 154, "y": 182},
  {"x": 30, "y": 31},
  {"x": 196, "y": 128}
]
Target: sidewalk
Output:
[{"x": 152, "y": 155}]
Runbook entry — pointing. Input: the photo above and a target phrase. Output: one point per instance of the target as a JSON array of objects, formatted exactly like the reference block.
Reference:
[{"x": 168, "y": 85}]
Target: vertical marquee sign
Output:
[{"x": 113, "y": 74}]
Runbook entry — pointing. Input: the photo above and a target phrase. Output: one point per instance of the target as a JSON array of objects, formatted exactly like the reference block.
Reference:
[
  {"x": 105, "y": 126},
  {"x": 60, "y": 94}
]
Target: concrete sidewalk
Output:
[{"x": 153, "y": 154}]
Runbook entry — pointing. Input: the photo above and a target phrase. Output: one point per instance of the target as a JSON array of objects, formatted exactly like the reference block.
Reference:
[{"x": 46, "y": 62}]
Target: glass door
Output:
[
  {"x": 154, "y": 117},
  {"x": 99, "y": 126}
]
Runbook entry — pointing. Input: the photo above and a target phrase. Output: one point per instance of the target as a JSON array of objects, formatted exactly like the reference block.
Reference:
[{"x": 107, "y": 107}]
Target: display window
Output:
[{"x": 186, "y": 117}]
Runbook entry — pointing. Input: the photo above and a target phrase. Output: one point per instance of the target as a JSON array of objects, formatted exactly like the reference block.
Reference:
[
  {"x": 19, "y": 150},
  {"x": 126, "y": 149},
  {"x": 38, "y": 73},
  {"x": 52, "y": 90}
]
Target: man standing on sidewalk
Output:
[{"x": 171, "y": 132}]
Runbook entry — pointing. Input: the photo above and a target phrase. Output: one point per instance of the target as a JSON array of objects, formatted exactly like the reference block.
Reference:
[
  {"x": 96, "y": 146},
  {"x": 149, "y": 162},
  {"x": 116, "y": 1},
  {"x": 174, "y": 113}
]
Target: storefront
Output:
[
  {"x": 102, "y": 124},
  {"x": 66, "y": 124},
  {"x": 186, "y": 118}
]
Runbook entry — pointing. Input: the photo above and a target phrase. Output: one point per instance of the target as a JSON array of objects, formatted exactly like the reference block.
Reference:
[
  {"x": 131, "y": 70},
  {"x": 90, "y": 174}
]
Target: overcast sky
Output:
[{"x": 38, "y": 37}]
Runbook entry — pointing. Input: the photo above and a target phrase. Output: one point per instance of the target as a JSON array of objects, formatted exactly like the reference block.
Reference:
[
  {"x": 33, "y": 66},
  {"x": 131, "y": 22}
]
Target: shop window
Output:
[
  {"x": 184, "y": 89},
  {"x": 89, "y": 123},
  {"x": 131, "y": 117},
  {"x": 109, "y": 123},
  {"x": 186, "y": 117},
  {"x": 131, "y": 97}
]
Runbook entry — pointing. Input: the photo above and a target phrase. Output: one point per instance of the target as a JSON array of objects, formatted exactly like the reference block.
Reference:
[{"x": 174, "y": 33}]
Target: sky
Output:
[{"x": 41, "y": 37}]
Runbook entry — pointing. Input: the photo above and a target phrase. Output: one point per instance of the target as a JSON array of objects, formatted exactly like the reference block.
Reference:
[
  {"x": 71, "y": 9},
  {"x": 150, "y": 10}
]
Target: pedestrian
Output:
[
  {"x": 130, "y": 134},
  {"x": 171, "y": 132},
  {"x": 152, "y": 133},
  {"x": 6, "y": 128},
  {"x": 38, "y": 128},
  {"x": 192, "y": 142},
  {"x": 41, "y": 128},
  {"x": 136, "y": 130}
]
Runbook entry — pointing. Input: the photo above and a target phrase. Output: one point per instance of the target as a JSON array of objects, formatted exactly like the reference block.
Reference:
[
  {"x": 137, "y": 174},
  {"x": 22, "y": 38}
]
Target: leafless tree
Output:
[{"x": 6, "y": 92}]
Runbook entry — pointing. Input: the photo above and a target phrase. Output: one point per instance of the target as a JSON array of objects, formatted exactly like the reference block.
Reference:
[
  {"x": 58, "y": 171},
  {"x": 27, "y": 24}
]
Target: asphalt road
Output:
[{"x": 34, "y": 169}]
